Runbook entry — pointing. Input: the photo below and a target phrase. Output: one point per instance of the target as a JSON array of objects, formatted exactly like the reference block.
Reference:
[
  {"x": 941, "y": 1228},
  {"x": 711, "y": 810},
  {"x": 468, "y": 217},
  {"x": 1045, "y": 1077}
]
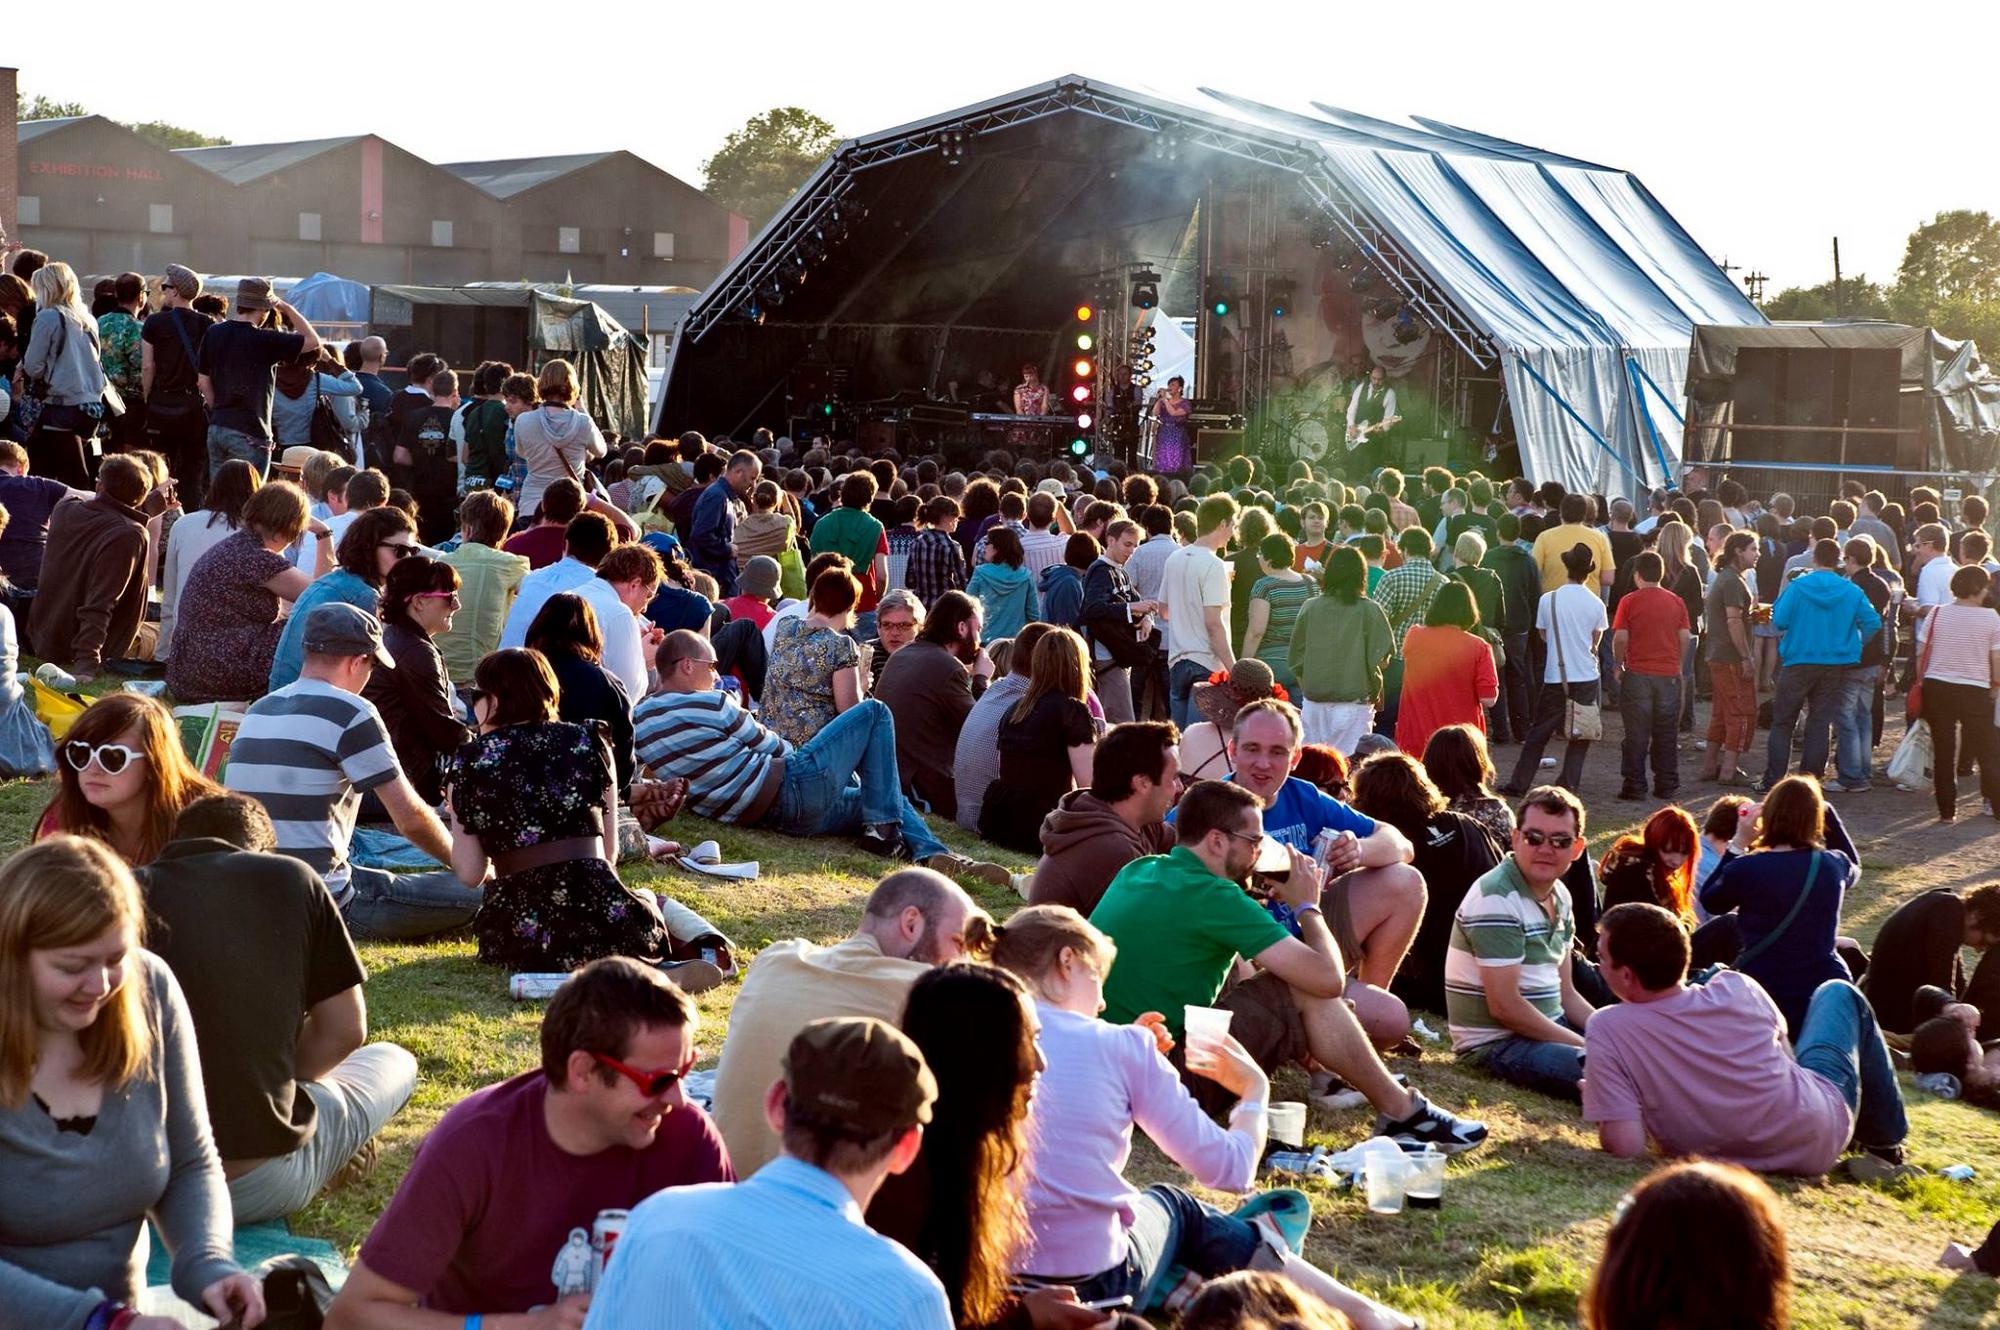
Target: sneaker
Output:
[
  {"x": 1431, "y": 1125},
  {"x": 888, "y": 844},
  {"x": 1851, "y": 787},
  {"x": 957, "y": 865},
  {"x": 691, "y": 977},
  {"x": 1627, "y": 792},
  {"x": 1671, "y": 792},
  {"x": 1866, "y": 1167},
  {"x": 1546, "y": 763},
  {"x": 358, "y": 1166}
]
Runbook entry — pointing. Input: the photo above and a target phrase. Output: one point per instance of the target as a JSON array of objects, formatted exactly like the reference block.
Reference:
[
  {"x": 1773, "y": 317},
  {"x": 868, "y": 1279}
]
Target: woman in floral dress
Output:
[{"x": 537, "y": 797}]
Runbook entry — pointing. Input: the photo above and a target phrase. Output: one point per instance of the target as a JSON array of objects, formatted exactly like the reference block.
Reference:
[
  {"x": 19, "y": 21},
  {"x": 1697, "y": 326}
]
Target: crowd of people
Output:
[{"x": 1234, "y": 732}]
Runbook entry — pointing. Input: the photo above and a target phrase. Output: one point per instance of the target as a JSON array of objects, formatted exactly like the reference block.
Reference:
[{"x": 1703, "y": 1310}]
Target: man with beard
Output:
[
  {"x": 915, "y": 919},
  {"x": 929, "y": 687}
]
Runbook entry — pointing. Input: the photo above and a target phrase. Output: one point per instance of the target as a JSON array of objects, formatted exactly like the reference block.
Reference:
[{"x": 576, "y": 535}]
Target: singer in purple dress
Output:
[{"x": 1173, "y": 450}]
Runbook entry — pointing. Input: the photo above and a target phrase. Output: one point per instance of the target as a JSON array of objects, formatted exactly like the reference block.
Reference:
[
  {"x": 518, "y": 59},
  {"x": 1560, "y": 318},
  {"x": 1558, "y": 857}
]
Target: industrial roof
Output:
[
  {"x": 34, "y": 129},
  {"x": 514, "y": 175},
  {"x": 240, "y": 163}
]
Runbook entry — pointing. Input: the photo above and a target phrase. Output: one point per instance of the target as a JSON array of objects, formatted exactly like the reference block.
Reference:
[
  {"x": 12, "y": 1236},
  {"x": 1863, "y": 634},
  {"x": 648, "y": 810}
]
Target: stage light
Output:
[
  {"x": 1221, "y": 308},
  {"x": 1082, "y": 369},
  {"x": 1079, "y": 447},
  {"x": 1084, "y": 420},
  {"x": 1280, "y": 294},
  {"x": 826, "y": 408},
  {"x": 1145, "y": 296},
  {"x": 1085, "y": 313},
  {"x": 1084, "y": 342},
  {"x": 1081, "y": 392},
  {"x": 1144, "y": 381}
]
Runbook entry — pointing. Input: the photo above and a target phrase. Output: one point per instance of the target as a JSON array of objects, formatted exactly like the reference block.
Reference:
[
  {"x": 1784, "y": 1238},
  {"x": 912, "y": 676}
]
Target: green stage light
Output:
[{"x": 1079, "y": 447}]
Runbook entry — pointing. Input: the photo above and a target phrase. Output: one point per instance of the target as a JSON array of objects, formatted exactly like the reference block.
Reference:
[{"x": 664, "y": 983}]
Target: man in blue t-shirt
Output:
[{"x": 1374, "y": 899}]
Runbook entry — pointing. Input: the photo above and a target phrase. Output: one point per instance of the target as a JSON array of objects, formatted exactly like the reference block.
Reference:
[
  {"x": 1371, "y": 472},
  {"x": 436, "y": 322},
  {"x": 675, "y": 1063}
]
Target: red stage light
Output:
[
  {"x": 1082, "y": 368},
  {"x": 1083, "y": 420},
  {"x": 1081, "y": 392}
]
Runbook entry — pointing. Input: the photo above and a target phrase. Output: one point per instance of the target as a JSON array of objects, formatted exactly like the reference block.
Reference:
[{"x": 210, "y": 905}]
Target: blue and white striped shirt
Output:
[
  {"x": 786, "y": 1249},
  {"x": 709, "y": 738}
]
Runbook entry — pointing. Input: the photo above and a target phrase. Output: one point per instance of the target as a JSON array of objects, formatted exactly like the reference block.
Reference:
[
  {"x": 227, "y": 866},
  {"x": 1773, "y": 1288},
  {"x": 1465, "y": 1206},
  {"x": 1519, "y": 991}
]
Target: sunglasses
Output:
[
  {"x": 110, "y": 758},
  {"x": 402, "y": 551},
  {"x": 1557, "y": 841},
  {"x": 451, "y": 596},
  {"x": 652, "y": 1084}
]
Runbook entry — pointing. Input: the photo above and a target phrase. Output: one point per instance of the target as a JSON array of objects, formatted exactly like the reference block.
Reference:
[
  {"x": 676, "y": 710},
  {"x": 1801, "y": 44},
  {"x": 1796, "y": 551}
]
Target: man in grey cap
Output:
[
  {"x": 237, "y": 360},
  {"x": 310, "y": 750},
  {"x": 850, "y": 1109},
  {"x": 176, "y": 416}
]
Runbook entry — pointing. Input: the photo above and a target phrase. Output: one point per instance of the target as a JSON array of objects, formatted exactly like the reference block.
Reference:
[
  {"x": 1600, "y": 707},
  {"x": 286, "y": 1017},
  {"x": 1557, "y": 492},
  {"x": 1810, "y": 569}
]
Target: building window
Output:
[
  {"x": 441, "y": 235},
  {"x": 29, "y": 210},
  {"x": 663, "y": 244},
  {"x": 163, "y": 218},
  {"x": 569, "y": 239},
  {"x": 308, "y": 226}
]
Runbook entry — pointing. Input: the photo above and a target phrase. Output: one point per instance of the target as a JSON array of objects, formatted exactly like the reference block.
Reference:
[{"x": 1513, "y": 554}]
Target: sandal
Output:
[{"x": 654, "y": 802}]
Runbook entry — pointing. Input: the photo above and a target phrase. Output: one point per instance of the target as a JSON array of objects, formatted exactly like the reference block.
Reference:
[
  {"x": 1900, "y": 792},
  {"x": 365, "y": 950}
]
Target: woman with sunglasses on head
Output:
[
  {"x": 1098, "y": 1082},
  {"x": 537, "y": 798},
  {"x": 123, "y": 778},
  {"x": 373, "y": 543},
  {"x": 415, "y": 699},
  {"x": 226, "y": 614},
  {"x": 102, "y": 1120}
]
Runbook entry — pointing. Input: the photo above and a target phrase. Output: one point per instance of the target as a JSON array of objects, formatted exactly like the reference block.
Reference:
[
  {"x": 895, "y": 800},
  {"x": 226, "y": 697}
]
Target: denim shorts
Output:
[{"x": 1170, "y": 1227}]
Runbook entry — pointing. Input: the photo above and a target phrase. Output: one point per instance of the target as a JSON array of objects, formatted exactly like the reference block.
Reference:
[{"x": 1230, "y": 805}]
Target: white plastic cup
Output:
[
  {"x": 1386, "y": 1179},
  {"x": 1288, "y": 1124},
  {"x": 1425, "y": 1188},
  {"x": 1205, "y": 1027}
]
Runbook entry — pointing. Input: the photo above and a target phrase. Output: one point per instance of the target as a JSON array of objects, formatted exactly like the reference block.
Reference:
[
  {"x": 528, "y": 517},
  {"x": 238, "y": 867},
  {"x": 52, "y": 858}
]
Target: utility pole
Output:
[
  {"x": 1753, "y": 282},
  {"x": 1839, "y": 306}
]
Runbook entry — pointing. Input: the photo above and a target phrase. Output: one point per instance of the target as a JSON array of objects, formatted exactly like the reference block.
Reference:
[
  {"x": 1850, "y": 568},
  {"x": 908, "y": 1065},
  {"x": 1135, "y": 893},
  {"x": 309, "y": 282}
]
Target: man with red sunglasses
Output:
[{"x": 485, "y": 1222}]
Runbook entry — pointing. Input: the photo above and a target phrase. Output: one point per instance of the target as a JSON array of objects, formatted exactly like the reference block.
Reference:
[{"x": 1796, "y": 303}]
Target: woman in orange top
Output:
[
  {"x": 1448, "y": 675},
  {"x": 123, "y": 778}
]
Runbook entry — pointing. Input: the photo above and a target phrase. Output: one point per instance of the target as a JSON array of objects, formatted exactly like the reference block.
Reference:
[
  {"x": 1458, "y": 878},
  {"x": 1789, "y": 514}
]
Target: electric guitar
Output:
[{"x": 1359, "y": 434}]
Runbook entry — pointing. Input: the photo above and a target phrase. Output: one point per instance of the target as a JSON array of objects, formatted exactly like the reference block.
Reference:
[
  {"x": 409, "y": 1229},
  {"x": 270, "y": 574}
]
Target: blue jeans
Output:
[
  {"x": 398, "y": 907},
  {"x": 1838, "y": 1042},
  {"x": 845, "y": 779},
  {"x": 1854, "y": 724},
  {"x": 1651, "y": 707},
  {"x": 1181, "y": 680},
  {"x": 1815, "y": 689},
  {"x": 226, "y": 444},
  {"x": 1553, "y": 1069},
  {"x": 1170, "y": 1228}
]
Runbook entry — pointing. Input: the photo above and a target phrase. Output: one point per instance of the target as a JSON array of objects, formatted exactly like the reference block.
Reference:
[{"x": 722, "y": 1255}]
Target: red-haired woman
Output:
[
  {"x": 1657, "y": 867},
  {"x": 123, "y": 778}
]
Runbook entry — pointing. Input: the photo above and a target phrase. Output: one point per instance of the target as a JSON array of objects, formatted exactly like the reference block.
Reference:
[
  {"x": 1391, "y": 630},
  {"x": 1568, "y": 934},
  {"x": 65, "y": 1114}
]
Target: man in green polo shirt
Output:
[
  {"x": 1180, "y": 920},
  {"x": 1510, "y": 990},
  {"x": 850, "y": 530}
]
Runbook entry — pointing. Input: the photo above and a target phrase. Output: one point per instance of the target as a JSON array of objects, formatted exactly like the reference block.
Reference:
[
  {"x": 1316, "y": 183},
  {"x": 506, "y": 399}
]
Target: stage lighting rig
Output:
[
  {"x": 1221, "y": 295},
  {"x": 1145, "y": 289},
  {"x": 951, "y": 146},
  {"x": 1279, "y": 295},
  {"x": 1362, "y": 281}
]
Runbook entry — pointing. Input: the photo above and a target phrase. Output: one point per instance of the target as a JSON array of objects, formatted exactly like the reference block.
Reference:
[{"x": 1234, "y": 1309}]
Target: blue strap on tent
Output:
[
  {"x": 1570, "y": 411},
  {"x": 1665, "y": 400},
  {"x": 1645, "y": 416}
]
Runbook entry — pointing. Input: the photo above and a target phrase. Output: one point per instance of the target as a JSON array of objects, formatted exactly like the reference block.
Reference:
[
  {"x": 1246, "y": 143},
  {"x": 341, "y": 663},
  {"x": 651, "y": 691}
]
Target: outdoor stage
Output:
[{"x": 1512, "y": 296}]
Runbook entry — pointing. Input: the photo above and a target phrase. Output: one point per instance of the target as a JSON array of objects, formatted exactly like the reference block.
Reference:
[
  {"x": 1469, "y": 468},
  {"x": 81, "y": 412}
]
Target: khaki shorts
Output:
[{"x": 1265, "y": 1019}]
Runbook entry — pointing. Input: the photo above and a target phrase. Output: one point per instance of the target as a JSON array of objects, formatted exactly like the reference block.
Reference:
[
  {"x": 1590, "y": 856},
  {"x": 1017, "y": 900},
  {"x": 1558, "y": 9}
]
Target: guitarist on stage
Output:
[{"x": 1371, "y": 413}]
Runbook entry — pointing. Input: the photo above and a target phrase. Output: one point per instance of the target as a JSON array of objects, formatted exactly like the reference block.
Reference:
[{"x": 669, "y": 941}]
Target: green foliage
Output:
[
  {"x": 1859, "y": 298},
  {"x": 1949, "y": 280},
  {"x": 762, "y": 164},
  {"x": 153, "y": 131}
]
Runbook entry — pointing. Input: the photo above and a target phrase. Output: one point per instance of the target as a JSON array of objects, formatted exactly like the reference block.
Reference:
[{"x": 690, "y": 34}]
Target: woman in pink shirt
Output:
[
  {"x": 1961, "y": 663},
  {"x": 1088, "y": 1227}
]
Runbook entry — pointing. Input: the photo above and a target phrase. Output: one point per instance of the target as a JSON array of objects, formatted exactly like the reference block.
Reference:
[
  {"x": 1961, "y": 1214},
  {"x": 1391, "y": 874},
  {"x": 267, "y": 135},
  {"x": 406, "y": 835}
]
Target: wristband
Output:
[
  {"x": 101, "y": 1315},
  {"x": 1253, "y": 1105},
  {"x": 474, "y": 1320},
  {"x": 1309, "y": 909}
]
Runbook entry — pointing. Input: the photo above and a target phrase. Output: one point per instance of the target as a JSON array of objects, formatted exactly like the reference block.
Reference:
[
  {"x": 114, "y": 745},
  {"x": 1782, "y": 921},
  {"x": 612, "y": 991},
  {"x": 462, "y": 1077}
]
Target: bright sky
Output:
[{"x": 1721, "y": 109}]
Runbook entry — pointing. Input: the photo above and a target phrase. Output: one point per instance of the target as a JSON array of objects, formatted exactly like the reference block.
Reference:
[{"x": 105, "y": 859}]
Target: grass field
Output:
[{"x": 1523, "y": 1217}]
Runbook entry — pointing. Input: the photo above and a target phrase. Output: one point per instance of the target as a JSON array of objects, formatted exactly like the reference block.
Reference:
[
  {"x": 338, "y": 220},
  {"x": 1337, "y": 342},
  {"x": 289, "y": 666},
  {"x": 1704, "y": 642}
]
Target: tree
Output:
[
  {"x": 1859, "y": 298},
  {"x": 1955, "y": 255},
  {"x": 153, "y": 131},
  {"x": 761, "y": 165}
]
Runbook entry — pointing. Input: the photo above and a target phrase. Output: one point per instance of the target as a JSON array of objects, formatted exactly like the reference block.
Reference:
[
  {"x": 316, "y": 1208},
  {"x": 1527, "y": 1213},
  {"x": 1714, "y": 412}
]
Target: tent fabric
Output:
[
  {"x": 1575, "y": 277},
  {"x": 610, "y": 361},
  {"x": 325, "y": 298}
]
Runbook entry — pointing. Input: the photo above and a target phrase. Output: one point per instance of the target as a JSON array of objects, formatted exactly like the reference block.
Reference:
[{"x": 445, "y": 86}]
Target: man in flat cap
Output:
[{"x": 238, "y": 360}]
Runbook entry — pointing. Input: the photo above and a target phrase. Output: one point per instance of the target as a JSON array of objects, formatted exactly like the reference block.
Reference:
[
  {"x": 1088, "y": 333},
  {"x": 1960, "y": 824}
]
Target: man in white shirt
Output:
[
  {"x": 626, "y": 579},
  {"x": 1043, "y": 543},
  {"x": 586, "y": 541},
  {"x": 1150, "y": 559},
  {"x": 1572, "y": 621},
  {"x": 1194, "y": 586},
  {"x": 1934, "y": 570}
]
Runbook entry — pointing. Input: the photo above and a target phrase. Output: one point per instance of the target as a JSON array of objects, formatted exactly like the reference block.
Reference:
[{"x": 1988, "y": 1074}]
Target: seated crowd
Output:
[{"x": 933, "y": 1117}]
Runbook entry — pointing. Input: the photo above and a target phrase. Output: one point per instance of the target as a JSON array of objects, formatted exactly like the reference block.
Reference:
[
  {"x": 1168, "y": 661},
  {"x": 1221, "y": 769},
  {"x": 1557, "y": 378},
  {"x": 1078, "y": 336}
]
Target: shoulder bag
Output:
[
  {"x": 326, "y": 433},
  {"x": 1913, "y": 701},
  {"x": 1765, "y": 943},
  {"x": 1582, "y": 721}
]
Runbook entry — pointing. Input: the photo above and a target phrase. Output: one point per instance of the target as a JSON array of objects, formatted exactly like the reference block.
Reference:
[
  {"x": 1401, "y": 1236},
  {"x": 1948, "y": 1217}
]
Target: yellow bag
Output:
[{"x": 56, "y": 710}]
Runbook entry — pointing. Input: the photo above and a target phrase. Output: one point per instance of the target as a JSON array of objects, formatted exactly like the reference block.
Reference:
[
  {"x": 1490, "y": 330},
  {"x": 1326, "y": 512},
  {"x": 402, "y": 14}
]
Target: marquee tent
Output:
[{"x": 1567, "y": 279}]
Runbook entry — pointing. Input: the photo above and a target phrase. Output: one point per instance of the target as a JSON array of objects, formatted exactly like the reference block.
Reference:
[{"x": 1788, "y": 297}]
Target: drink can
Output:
[
  {"x": 535, "y": 987},
  {"x": 605, "y": 1230}
]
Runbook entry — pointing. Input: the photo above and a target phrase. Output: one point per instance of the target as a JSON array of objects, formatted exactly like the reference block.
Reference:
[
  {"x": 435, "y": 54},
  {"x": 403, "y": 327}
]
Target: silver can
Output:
[
  {"x": 535, "y": 987},
  {"x": 605, "y": 1230}
]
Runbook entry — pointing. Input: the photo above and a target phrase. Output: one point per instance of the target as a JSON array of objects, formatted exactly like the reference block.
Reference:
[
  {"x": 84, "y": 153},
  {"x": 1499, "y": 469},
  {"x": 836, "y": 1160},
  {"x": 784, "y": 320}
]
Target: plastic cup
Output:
[
  {"x": 1288, "y": 1124},
  {"x": 1425, "y": 1188},
  {"x": 1205, "y": 1027},
  {"x": 1385, "y": 1180}
]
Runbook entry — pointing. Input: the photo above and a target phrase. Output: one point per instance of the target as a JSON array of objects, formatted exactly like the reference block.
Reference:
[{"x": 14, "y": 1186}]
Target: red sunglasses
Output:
[{"x": 652, "y": 1084}]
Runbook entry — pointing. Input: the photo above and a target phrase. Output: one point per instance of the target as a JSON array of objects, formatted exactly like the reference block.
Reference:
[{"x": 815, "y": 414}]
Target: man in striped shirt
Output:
[
  {"x": 1510, "y": 993},
  {"x": 310, "y": 750},
  {"x": 843, "y": 782}
]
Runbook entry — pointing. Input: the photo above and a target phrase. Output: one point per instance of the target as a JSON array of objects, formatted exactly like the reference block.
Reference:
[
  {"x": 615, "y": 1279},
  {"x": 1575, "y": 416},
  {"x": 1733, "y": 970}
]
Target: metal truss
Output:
[{"x": 738, "y": 290}]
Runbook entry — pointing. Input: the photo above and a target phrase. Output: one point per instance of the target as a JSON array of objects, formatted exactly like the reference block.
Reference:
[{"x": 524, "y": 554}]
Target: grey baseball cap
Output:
[{"x": 341, "y": 629}]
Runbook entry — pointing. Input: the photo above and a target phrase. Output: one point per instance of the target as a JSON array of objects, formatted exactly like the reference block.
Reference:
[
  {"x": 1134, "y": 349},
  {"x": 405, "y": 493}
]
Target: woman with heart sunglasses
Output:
[{"x": 123, "y": 778}]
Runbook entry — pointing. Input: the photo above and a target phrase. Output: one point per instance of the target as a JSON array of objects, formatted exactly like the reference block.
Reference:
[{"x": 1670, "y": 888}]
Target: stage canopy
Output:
[{"x": 964, "y": 239}]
